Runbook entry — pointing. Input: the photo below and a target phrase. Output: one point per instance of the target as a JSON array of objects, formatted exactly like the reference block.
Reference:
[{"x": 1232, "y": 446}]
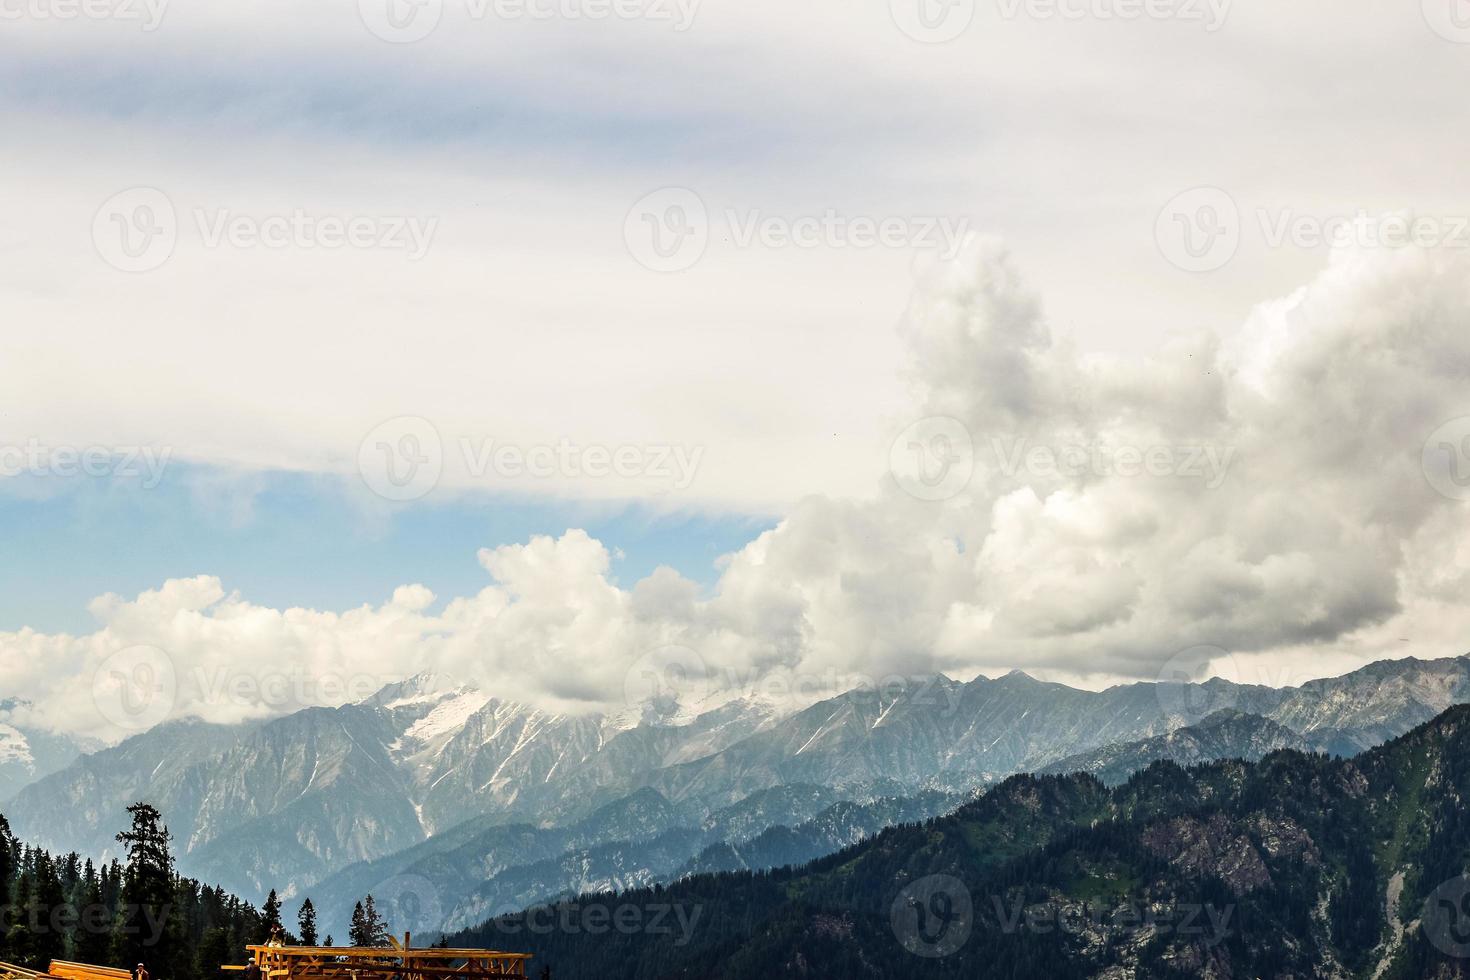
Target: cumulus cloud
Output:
[{"x": 1261, "y": 492}]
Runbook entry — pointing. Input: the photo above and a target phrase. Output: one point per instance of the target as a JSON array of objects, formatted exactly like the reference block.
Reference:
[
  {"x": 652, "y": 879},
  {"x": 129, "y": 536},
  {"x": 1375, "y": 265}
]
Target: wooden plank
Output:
[{"x": 86, "y": 971}]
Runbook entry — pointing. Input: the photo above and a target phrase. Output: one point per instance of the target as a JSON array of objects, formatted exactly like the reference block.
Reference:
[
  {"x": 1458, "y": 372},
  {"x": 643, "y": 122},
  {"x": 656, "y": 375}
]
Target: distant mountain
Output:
[
  {"x": 287, "y": 803},
  {"x": 481, "y": 868},
  {"x": 1226, "y": 734},
  {"x": 839, "y": 826},
  {"x": 28, "y": 753},
  {"x": 1294, "y": 866}
]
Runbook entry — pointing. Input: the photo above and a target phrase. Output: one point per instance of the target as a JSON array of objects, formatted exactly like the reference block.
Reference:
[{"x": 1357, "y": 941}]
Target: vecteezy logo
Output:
[
  {"x": 1446, "y": 919},
  {"x": 1181, "y": 690},
  {"x": 136, "y": 230},
  {"x": 1450, "y": 19},
  {"x": 932, "y": 21},
  {"x": 135, "y": 688},
  {"x": 1446, "y": 459},
  {"x": 402, "y": 459},
  {"x": 933, "y": 459},
  {"x": 1199, "y": 230},
  {"x": 668, "y": 230},
  {"x": 401, "y": 21},
  {"x": 933, "y": 916},
  {"x": 664, "y": 680},
  {"x": 410, "y": 902}
]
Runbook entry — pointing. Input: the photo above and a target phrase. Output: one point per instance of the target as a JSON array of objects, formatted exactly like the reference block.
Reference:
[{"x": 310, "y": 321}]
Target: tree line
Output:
[{"x": 139, "y": 909}]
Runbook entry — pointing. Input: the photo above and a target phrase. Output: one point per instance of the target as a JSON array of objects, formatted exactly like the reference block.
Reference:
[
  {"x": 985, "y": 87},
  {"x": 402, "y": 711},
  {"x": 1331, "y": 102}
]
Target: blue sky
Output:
[{"x": 287, "y": 540}]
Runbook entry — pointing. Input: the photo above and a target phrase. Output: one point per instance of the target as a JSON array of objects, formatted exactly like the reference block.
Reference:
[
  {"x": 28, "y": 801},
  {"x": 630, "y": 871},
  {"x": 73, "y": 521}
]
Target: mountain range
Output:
[
  {"x": 425, "y": 776},
  {"x": 29, "y": 753},
  {"x": 1298, "y": 865}
]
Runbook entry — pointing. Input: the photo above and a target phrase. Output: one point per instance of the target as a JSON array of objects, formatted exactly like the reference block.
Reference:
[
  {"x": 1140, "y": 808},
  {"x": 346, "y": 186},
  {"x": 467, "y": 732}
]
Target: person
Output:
[
  {"x": 140, "y": 972},
  {"x": 252, "y": 971},
  {"x": 277, "y": 937}
]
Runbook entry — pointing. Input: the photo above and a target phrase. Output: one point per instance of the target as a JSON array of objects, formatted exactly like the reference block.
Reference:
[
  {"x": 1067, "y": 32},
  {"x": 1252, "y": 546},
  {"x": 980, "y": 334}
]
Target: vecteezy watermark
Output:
[
  {"x": 1211, "y": 14},
  {"x": 677, "y": 464},
  {"x": 1446, "y": 459},
  {"x": 669, "y": 230},
  {"x": 663, "y": 679},
  {"x": 1206, "y": 922},
  {"x": 276, "y": 689},
  {"x": 1199, "y": 229},
  {"x": 146, "y": 922},
  {"x": 597, "y": 918},
  {"x": 1362, "y": 229},
  {"x": 410, "y": 902},
  {"x": 403, "y": 459},
  {"x": 139, "y": 687},
  {"x": 35, "y": 458},
  {"x": 1200, "y": 680},
  {"x": 147, "y": 14},
  {"x": 671, "y": 678},
  {"x": 1450, "y": 19},
  {"x": 407, "y": 21},
  {"x": 933, "y": 459},
  {"x": 1446, "y": 917},
  {"x": 135, "y": 688},
  {"x": 932, "y": 21},
  {"x": 1207, "y": 463},
  {"x": 933, "y": 917},
  {"x": 137, "y": 230}
]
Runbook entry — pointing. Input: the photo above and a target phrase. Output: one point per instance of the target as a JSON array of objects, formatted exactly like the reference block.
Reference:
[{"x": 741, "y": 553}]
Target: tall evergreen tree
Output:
[
  {"x": 93, "y": 940},
  {"x": 377, "y": 926},
  {"x": 52, "y": 912},
  {"x": 358, "y": 933},
  {"x": 272, "y": 914},
  {"x": 306, "y": 922},
  {"x": 145, "y": 927}
]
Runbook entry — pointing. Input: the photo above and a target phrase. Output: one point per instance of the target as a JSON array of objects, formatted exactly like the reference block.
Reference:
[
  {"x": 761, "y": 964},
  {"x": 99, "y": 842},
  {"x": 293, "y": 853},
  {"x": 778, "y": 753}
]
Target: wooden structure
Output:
[
  {"x": 63, "y": 970},
  {"x": 397, "y": 962},
  {"x": 9, "y": 971},
  {"x": 85, "y": 971}
]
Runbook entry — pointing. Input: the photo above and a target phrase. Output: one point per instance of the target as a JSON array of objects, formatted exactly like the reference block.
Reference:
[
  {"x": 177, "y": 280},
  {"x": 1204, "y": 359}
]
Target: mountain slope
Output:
[
  {"x": 1297, "y": 865},
  {"x": 286, "y": 803},
  {"x": 27, "y": 753},
  {"x": 1226, "y": 734}
]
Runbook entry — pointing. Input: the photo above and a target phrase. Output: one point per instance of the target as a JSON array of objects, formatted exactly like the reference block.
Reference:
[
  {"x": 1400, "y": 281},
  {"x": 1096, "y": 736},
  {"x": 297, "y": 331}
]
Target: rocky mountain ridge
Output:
[{"x": 286, "y": 803}]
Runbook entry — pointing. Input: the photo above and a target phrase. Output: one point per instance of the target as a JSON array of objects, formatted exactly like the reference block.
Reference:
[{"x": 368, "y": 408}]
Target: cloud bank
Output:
[{"x": 1263, "y": 491}]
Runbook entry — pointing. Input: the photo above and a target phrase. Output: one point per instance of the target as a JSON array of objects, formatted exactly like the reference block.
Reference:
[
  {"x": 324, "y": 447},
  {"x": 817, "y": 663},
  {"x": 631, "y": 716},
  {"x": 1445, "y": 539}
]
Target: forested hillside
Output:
[
  {"x": 123, "y": 912},
  {"x": 1298, "y": 865}
]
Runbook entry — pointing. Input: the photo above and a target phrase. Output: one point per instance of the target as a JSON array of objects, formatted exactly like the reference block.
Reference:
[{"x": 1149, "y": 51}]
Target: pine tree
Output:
[
  {"x": 272, "y": 914},
  {"x": 377, "y": 926},
  {"x": 93, "y": 939},
  {"x": 214, "y": 952},
  {"x": 306, "y": 922},
  {"x": 146, "y": 928},
  {"x": 51, "y": 905},
  {"x": 358, "y": 933},
  {"x": 20, "y": 938}
]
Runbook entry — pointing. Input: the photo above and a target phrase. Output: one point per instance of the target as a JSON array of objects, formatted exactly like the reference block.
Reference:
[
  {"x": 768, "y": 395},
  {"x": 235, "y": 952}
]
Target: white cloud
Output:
[{"x": 1321, "y": 542}]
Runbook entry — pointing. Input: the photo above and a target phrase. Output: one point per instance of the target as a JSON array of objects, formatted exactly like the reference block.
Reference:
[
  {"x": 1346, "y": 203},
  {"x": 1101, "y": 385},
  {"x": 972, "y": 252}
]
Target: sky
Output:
[{"x": 523, "y": 340}]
